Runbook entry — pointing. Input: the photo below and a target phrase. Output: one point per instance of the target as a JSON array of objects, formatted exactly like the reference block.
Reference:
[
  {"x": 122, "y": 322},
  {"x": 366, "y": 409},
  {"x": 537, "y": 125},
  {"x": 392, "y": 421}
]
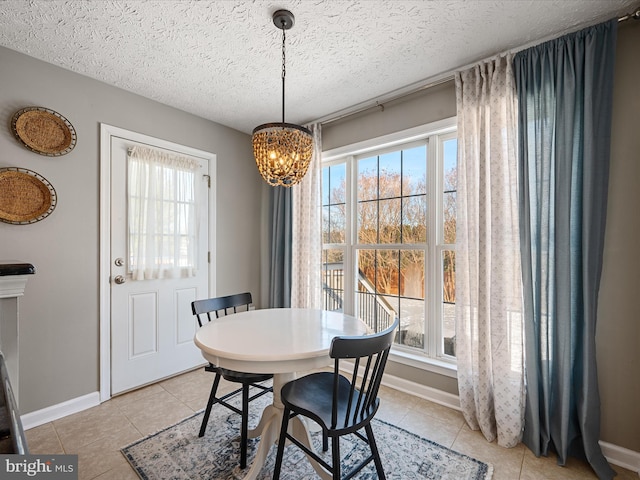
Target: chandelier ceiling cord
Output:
[{"x": 282, "y": 150}]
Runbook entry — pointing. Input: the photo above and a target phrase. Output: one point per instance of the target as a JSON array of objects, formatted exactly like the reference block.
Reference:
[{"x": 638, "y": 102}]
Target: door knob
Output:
[
  {"x": 119, "y": 262},
  {"x": 119, "y": 279}
]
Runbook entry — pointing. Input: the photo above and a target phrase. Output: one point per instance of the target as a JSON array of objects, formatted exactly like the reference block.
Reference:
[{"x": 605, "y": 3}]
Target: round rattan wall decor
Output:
[
  {"x": 43, "y": 131},
  {"x": 25, "y": 196}
]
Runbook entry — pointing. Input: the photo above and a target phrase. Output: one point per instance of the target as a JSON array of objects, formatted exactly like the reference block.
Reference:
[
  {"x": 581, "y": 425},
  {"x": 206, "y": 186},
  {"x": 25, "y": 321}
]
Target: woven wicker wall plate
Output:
[
  {"x": 43, "y": 131},
  {"x": 25, "y": 196}
]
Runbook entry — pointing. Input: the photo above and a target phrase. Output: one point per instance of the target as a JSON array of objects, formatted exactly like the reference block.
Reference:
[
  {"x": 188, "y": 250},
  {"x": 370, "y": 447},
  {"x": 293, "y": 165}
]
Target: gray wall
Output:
[
  {"x": 59, "y": 313},
  {"x": 618, "y": 333},
  {"x": 618, "y": 330}
]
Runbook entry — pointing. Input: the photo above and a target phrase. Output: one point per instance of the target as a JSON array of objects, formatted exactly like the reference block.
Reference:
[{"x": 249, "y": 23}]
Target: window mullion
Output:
[
  {"x": 431, "y": 276},
  {"x": 350, "y": 236}
]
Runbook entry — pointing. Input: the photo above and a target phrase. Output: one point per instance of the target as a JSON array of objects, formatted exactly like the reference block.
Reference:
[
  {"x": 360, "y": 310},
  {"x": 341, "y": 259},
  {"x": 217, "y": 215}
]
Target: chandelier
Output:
[{"x": 282, "y": 150}]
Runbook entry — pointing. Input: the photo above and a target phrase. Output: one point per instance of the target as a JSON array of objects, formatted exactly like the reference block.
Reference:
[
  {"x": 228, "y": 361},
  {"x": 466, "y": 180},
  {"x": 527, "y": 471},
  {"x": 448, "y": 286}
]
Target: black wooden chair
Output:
[
  {"x": 214, "y": 308},
  {"x": 340, "y": 405}
]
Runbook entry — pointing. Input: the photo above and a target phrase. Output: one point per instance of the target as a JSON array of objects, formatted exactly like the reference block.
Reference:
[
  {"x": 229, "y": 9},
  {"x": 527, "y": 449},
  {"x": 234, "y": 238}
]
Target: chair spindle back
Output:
[
  {"x": 220, "y": 306},
  {"x": 373, "y": 352}
]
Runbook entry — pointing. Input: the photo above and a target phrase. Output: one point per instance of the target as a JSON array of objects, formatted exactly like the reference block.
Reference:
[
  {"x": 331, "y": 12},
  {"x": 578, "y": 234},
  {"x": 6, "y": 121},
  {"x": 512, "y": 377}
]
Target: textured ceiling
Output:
[{"x": 221, "y": 60}]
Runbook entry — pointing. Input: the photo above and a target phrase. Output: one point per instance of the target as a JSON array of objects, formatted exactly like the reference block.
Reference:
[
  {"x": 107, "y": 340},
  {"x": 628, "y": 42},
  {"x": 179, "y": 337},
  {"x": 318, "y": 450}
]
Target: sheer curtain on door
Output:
[
  {"x": 489, "y": 343},
  {"x": 162, "y": 213}
]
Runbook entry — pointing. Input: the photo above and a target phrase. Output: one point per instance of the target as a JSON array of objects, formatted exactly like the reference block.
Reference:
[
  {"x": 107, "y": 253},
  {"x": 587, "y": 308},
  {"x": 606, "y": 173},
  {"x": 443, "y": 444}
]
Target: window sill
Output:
[{"x": 424, "y": 363}]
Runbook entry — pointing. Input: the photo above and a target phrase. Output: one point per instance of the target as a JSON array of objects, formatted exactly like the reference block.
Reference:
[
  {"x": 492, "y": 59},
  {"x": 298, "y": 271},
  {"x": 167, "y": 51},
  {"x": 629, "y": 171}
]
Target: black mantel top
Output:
[{"x": 16, "y": 268}]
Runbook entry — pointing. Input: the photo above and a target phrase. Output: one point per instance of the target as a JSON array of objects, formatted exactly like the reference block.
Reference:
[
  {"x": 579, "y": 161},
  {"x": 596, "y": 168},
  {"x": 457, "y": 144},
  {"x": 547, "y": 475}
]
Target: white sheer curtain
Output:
[
  {"x": 307, "y": 228},
  {"x": 489, "y": 324},
  {"x": 162, "y": 213}
]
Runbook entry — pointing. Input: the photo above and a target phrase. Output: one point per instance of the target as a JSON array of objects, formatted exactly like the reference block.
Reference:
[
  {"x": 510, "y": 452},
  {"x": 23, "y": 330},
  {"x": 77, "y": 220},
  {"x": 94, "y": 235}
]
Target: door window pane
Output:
[{"x": 161, "y": 214}]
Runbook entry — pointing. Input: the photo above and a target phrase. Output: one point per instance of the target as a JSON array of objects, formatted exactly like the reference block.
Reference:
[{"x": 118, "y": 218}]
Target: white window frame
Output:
[{"x": 432, "y": 358}]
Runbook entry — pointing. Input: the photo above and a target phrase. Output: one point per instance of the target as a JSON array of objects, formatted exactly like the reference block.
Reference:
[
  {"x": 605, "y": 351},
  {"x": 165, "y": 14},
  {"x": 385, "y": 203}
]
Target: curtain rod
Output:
[
  {"x": 389, "y": 97},
  {"x": 414, "y": 88},
  {"x": 635, "y": 16}
]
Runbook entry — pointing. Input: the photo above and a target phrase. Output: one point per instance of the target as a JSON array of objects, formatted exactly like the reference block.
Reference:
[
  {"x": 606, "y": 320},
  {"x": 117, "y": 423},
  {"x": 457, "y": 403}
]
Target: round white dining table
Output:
[{"x": 281, "y": 341}]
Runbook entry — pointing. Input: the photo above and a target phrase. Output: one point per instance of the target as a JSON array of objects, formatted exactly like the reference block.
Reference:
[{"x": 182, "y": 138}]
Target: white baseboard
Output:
[
  {"x": 54, "y": 412},
  {"x": 428, "y": 393},
  {"x": 623, "y": 457}
]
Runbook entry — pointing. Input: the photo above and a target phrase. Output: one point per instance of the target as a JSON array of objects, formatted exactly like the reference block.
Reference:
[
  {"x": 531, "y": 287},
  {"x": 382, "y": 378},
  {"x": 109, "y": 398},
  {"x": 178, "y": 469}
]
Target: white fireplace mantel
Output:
[
  {"x": 13, "y": 285},
  {"x": 13, "y": 281}
]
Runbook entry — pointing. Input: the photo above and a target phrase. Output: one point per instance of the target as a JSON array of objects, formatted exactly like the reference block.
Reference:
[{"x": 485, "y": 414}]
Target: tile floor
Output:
[{"x": 97, "y": 434}]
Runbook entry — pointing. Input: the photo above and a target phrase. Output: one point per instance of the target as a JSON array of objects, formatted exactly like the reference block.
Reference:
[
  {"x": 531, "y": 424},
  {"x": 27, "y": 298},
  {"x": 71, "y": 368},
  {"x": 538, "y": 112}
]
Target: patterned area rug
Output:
[{"x": 178, "y": 453}]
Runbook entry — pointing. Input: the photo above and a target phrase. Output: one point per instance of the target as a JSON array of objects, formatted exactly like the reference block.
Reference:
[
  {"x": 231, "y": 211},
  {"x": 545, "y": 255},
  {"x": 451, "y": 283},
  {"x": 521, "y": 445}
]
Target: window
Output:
[{"x": 389, "y": 229}]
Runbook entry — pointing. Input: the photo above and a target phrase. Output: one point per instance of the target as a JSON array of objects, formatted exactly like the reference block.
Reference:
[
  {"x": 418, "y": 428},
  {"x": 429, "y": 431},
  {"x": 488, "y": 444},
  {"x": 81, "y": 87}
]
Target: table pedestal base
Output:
[{"x": 268, "y": 429}]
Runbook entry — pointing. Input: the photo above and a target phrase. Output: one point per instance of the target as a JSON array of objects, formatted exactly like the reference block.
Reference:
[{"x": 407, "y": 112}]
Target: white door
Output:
[{"x": 152, "y": 327}]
